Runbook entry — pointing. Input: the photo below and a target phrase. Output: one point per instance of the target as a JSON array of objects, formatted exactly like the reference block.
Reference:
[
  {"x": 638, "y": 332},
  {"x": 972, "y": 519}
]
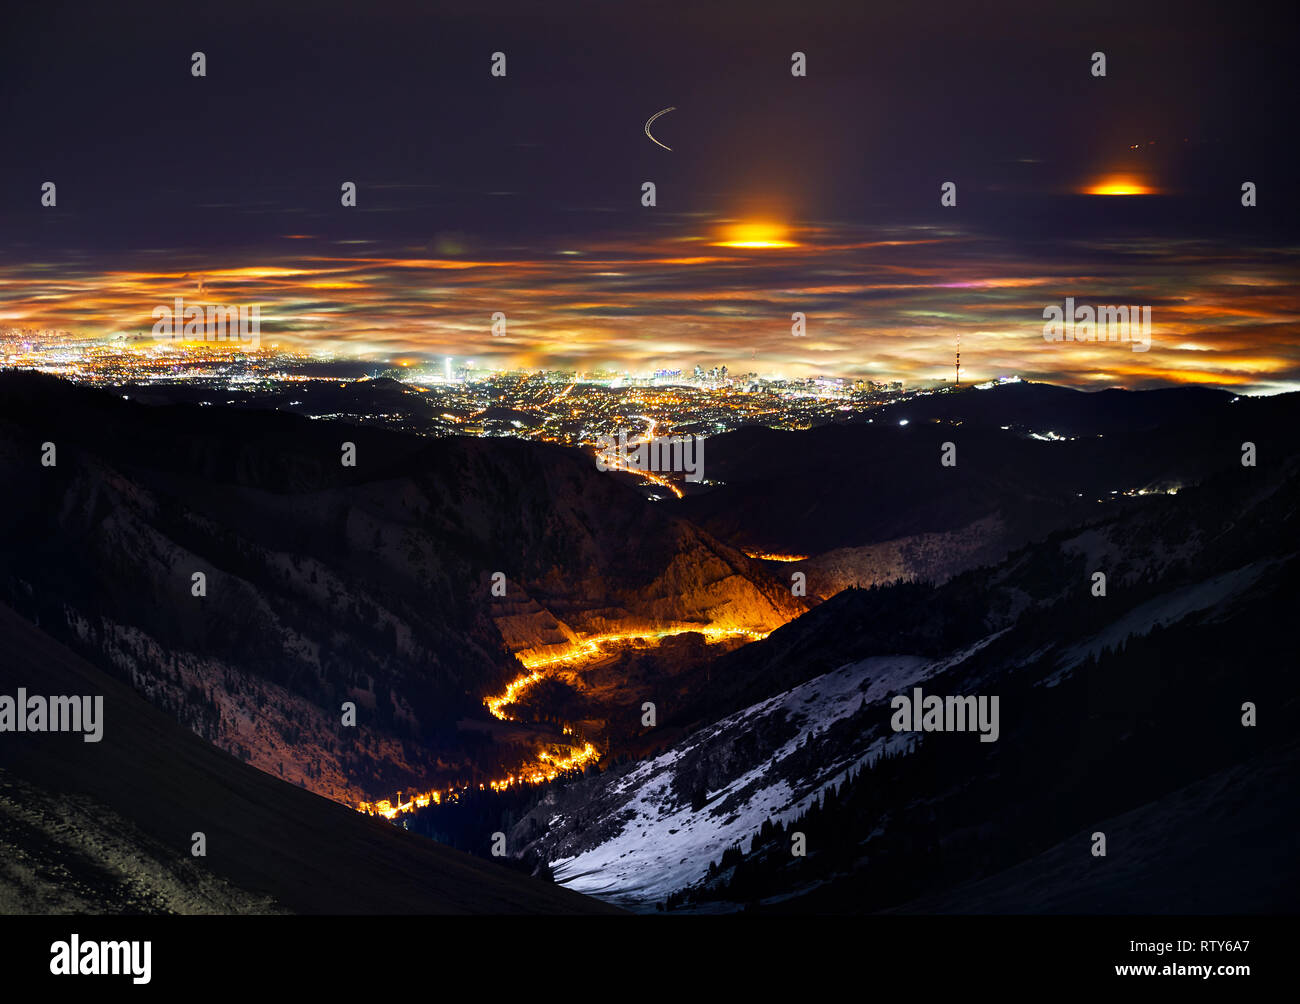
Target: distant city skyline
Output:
[{"x": 97, "y": 359}]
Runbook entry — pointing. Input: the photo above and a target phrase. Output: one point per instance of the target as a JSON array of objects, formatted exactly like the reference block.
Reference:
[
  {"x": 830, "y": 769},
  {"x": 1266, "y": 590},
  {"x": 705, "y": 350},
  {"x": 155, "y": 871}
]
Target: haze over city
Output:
[{"x": 522, "y": 195}]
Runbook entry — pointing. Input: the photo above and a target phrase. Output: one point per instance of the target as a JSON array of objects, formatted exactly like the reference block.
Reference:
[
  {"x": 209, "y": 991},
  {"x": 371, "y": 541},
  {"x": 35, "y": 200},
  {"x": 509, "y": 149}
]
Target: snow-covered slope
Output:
[
  {"x": 1084, "y": 679},
  {"x": 657, "y": 828}
]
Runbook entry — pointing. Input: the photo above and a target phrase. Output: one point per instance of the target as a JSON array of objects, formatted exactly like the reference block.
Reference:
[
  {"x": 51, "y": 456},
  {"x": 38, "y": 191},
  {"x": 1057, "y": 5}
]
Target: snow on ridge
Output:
[
  {"x": 665, "y": 845},
  {"x": 1163, "y": 610}
]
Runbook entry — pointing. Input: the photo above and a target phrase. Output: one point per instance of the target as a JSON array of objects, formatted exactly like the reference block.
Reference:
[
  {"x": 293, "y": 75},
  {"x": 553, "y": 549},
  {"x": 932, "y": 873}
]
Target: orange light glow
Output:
[
  {"x": 756, "y": 235},
  {"x": 552, "y": 760},
  {"x": 1120, "y": 184},
  {"x": 550, "y": 765}
]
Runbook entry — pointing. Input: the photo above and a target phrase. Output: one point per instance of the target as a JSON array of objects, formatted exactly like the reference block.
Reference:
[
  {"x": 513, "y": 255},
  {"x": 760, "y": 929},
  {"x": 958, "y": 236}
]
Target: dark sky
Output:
[{"x": 299, "y": 97}]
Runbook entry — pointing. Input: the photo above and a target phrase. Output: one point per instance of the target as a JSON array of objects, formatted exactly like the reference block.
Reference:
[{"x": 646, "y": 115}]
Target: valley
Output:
[{"x": 633, "y": 692}]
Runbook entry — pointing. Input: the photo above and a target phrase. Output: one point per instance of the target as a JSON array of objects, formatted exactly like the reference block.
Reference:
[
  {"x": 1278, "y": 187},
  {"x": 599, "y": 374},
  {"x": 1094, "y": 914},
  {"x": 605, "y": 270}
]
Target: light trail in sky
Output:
[{"x": 650, "y": 121}]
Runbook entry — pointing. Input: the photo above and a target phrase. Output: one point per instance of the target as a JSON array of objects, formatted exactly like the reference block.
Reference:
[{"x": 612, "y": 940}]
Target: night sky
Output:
[{"x": 523, "y": 194}]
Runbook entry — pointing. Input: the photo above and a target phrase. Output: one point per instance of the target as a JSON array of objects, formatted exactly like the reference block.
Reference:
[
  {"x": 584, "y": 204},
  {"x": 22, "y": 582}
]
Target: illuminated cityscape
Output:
[{"x": 447, "y": 396}]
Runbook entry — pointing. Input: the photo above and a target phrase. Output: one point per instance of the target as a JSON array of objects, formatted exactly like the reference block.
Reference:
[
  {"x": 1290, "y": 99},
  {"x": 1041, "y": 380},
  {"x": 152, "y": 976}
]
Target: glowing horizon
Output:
[
  {"x": 881, "y": 303},
  {"x": 756, "y": 235},
  {"x": 1120, "y": 184}
]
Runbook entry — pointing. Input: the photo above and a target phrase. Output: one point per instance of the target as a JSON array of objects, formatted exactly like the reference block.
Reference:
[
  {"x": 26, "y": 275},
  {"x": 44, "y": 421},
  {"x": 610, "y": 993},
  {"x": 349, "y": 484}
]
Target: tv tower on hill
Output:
[{"x": 958, "y": 372}]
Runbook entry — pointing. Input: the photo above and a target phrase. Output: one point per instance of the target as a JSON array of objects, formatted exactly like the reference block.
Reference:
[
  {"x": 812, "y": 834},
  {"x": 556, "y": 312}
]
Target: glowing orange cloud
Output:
[
  {"x": 888, "y": 302},
  {"x": 1120, "y": 184},
  {"x": 756, "y": 235}
]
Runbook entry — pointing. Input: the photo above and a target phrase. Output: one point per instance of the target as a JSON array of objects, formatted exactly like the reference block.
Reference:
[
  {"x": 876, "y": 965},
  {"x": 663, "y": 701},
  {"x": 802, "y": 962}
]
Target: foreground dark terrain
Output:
[
  {"x": 1120, "y": 713},
  {"x": 106, "y": 827}
]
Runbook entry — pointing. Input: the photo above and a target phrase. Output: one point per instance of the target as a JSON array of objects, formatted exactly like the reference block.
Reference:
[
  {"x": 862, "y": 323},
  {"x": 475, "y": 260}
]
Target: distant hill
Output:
[
  {"x": 869, "y": 502},
  {"x": 1038, "y": 407}
]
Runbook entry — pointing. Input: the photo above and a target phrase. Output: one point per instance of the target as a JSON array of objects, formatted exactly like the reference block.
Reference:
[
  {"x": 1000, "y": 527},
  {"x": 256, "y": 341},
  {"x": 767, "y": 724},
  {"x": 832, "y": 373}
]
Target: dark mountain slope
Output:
[
  {"x": 266, "y": 838},
  {"x": 1154, "y": 544},
  {"x": 1143, "y": 743},
  {"x": 1110, "y": 707},
  {"x": 1037, "y": 407},
  {"x": 328, "y": 583},
  {"x": 871, "y": 501}
]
